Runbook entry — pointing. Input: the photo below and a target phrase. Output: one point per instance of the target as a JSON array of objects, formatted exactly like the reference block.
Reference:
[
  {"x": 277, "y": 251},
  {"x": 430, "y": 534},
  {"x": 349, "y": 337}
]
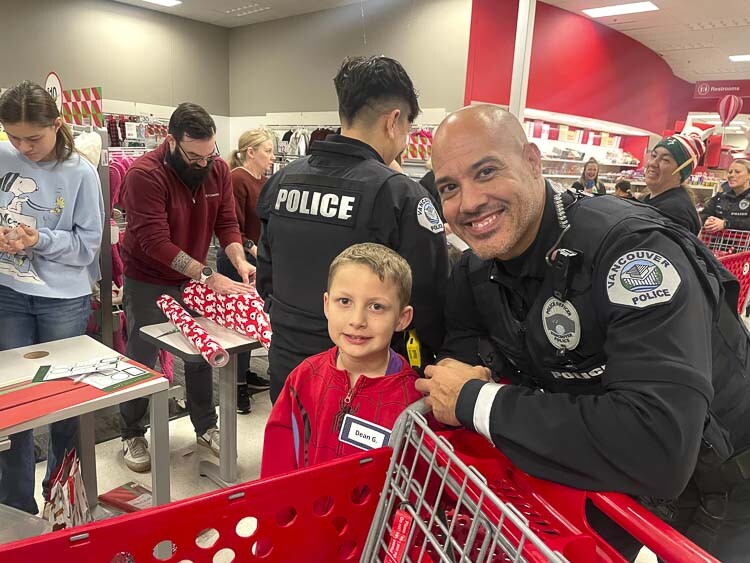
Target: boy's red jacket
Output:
[{"x": 304, "y": 425}]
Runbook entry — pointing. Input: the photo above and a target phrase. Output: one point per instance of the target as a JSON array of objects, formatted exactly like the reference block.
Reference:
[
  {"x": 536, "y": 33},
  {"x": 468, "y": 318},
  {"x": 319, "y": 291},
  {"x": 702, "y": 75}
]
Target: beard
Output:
[{"x": 192, "y": 175}]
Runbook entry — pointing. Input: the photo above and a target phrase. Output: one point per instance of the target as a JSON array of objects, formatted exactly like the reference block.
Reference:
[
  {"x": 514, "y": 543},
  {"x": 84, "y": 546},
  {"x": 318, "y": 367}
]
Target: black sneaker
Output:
[
  {"x": 257, "y": 383},
  {"x": 243, "y": 399}
]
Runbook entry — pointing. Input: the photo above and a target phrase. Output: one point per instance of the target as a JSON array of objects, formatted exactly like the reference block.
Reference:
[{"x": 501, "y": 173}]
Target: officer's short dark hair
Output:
[
  {"x": 374, "y": 85},
  {"x": 623, "y": 186},
  {"x": 193, "y": 120},
  {"x": 384, "y": 262}
]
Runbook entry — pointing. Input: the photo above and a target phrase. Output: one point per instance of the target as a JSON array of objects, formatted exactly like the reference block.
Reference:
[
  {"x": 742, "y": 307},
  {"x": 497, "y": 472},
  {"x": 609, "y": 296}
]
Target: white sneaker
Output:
[
  {"x": 135, "y": 453},
  {"x": 210, "y": 440}
]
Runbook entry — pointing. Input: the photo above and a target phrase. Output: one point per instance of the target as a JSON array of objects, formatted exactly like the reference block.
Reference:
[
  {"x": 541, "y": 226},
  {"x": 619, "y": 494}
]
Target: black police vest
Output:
[
  {"x": 731, "y": 207},
  {"x": 312, "y": 218},
  {"x": 531, "y": 358}
]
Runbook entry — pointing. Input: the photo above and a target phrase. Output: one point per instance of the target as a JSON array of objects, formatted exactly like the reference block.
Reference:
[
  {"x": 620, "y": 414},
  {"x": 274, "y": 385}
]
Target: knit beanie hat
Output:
[{"x": 687, "y": 150}]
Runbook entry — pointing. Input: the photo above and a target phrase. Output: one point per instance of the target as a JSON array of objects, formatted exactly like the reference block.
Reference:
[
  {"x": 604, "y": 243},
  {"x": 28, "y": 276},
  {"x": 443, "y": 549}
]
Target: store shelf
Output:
[
  {"x": 584, "y": 162},
  {"x": 697, "y": 187},
  {"x": 562, "y": 175}
]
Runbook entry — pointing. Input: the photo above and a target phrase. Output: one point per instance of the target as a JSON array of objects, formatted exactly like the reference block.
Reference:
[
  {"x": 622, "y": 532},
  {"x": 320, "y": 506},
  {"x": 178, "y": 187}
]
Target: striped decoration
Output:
[{"x": 729, "y": 106}]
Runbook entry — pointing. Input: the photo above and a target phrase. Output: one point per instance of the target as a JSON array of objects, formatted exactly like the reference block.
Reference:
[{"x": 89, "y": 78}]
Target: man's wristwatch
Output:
[
  {"x": 206, "y": 272},
  {"x": 247, "y": 245}
]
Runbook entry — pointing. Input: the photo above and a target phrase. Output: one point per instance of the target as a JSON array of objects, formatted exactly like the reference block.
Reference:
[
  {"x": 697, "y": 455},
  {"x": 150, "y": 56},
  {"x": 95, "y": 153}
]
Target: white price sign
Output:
[{"x": 54, "y": 87}]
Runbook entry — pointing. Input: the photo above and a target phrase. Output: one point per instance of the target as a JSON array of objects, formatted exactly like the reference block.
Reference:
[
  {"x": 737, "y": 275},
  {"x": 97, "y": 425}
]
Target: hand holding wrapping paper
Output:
[
  {"x": 242, "y": 313},
  {"x": 214, "y": 354}
]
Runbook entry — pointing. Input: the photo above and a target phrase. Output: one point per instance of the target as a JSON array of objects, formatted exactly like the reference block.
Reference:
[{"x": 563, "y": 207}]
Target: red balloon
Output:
[{"x": 729, "y": 107}]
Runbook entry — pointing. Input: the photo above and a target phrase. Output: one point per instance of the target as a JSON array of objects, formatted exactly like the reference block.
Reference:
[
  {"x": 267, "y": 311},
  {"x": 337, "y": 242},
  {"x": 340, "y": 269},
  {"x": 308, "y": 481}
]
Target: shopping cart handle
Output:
[{"x": 666, "y": 542}]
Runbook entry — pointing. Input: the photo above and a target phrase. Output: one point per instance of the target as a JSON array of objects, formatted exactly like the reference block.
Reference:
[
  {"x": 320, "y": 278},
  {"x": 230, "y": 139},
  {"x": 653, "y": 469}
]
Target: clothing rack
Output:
[{"x": 105, "y": 284}]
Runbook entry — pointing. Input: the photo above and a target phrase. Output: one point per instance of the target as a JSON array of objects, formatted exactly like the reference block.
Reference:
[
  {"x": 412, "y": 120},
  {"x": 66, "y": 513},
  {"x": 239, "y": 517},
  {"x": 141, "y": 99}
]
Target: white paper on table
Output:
[{"x": 107, "y": 373}]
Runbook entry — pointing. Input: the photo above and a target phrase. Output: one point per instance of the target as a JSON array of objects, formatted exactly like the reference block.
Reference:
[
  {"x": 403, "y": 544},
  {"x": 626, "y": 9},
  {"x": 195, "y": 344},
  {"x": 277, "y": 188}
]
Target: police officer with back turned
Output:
[
  {"x": 342, "y": 194},
  {"x": 624, "y": 363}
]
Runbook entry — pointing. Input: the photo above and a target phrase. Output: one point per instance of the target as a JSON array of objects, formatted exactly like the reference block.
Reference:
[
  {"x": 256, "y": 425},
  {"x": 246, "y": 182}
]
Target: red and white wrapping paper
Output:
[
  {"x": 211, "y": 351},
  {"x": 242, "y": 313}
]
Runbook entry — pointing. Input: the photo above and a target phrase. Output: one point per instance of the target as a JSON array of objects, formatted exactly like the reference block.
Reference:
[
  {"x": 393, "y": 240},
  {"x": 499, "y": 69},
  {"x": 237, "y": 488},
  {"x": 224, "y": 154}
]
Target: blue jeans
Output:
[{"x": 27, "y": 320}]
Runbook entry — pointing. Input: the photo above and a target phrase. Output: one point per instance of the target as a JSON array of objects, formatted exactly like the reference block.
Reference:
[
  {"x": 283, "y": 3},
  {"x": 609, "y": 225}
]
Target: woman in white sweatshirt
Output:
[{"x": 51, "y": 220}]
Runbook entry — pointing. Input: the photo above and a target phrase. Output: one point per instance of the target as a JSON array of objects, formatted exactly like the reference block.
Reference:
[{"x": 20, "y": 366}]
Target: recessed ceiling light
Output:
[
  {"x": 166, "y": 3},
  {"x": 739, "y": 58},
  {"x": 620, "y": 9}
]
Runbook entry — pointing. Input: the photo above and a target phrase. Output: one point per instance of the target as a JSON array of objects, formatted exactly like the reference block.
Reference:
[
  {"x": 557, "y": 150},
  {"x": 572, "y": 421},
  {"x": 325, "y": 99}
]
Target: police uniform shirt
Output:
[
  {"x": 677, "y": 204},
  {"x": 314, "y": 208},
  {"x": 623, "y": 406},
  {"x": 733, "y": 209}
]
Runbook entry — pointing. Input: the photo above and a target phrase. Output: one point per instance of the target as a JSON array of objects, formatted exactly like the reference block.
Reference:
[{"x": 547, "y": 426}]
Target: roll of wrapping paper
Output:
[
  {"x": 211, "y": 351},
  {"x": 242, "y": 313}
]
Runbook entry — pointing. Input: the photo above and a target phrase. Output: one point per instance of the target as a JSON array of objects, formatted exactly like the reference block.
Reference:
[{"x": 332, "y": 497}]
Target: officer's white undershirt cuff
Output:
[{"x": 483, "y": 408}]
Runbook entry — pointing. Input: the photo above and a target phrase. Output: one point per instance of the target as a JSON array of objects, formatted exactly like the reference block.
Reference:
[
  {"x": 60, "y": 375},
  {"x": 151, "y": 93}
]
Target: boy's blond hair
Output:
[{"x": 382, "y": 261}]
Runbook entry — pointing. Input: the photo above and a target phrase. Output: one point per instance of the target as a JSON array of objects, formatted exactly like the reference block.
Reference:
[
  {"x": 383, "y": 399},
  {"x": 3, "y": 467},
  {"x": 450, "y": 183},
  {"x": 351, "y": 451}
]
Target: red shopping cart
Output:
[
  {"x": 447, "y": 497},
  {"x": 732, "y": 248}
]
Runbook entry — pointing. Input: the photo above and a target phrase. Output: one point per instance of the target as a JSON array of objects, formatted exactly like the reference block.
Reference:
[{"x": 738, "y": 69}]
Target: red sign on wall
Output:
[{"x": 720, "y": 88}]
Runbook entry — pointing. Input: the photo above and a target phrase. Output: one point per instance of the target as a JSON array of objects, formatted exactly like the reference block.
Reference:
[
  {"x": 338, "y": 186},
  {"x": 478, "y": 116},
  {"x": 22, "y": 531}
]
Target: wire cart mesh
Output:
[{"x": 728, "y": 241}]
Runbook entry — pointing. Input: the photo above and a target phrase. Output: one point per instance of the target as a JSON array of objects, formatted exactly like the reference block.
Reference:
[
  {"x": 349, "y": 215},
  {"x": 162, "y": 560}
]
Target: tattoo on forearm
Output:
[{"x": 181, "y": 262}]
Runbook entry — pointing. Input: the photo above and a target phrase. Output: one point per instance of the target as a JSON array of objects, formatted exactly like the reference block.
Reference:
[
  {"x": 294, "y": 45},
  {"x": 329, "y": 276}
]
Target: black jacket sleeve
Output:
[
  {"x": 396, "y": 222},
  {"x": 264, "y": 273},
  {"x": 710, "y": 208},
  {"x": 642, "y": 435},
  {"x": 463, "y": 327}
]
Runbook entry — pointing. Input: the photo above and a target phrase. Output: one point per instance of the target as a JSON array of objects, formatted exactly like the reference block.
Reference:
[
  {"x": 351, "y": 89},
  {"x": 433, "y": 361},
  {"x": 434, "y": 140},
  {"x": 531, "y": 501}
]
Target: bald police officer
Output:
[
  {"x": 344, "y": 193},
  {"x": 624, "y": 361}
]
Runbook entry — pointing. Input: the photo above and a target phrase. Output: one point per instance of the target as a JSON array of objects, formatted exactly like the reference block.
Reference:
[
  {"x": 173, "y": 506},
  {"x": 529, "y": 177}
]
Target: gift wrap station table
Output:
[
  {"x": 164, "y": 336},
  {"x": 21, "y": 364}
]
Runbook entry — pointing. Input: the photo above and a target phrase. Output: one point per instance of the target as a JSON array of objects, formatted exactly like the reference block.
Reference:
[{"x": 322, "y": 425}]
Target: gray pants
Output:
[{"x": 139, "y": 302}]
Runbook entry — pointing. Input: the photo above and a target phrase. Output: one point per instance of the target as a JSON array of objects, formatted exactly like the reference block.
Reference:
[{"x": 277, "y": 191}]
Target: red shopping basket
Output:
[
  {"x": 739, "y": 265},
  {"x": 318, "y": 515},
  {"x": 328, "y": 513}
]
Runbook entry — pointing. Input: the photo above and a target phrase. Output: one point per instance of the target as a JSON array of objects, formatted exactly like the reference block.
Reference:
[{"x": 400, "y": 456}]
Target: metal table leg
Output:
[
  {"x": 160, "y": 448},
  {"x": 87, "y": 455},
  {"x": 226, "y": 474}
]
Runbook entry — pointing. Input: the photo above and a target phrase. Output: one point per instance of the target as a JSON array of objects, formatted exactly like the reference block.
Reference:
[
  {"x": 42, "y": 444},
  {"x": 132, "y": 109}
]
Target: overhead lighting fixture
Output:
[
  {"x": 165, "y": 3},
  {"x": 620, "y": 9},
  {"x": 739, "y": 58}
]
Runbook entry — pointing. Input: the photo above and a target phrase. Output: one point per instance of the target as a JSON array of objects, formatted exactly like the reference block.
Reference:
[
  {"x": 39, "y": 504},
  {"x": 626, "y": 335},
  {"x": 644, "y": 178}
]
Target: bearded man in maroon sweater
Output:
[{"x": 176, "y": 197}]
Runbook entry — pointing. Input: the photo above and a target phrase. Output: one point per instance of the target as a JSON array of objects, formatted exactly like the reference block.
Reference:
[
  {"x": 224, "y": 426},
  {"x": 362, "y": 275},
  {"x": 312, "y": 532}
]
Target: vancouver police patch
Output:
[
  {"x": 428, "y": 216},
  {"x": 744, "y": 204},
  {"x": 642, "y": 278},
  {"x": 561, "y": 324}
]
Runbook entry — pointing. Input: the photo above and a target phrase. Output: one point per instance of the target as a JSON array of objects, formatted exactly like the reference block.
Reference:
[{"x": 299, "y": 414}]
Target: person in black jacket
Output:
[
  {"x": 670, "y": 164},
  {"x": 342, "y": 194},
  {"x": 730, "y": 210},
  {"x": 615, "y": 332}
]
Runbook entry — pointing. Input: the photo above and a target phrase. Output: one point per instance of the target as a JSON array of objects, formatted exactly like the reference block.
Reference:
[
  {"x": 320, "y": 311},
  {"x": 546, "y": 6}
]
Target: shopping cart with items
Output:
[
  {"x": 430, "y": 497},
  {"x": 732, "y": 248}
]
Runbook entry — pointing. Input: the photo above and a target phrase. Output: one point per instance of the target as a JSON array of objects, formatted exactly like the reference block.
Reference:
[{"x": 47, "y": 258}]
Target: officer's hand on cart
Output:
[
  {"x": 246, "y": 271},
  {"x": 226, "y": 286},
  {"x": 713, "y": 225},
  {"x": 442, "y": 384}
]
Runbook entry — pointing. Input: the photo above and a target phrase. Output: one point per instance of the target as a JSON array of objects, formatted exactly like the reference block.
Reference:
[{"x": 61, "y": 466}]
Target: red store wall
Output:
[{"x": 578, "y": 67}]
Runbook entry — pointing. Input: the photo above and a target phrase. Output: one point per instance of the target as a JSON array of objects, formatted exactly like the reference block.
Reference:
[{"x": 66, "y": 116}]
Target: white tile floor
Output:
[{"x": 184, "y": 456}]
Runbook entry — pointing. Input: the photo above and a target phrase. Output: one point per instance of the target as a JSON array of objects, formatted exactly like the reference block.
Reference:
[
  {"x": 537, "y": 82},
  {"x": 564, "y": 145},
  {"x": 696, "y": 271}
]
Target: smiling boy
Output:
[{"x": 346, "y": 399}]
